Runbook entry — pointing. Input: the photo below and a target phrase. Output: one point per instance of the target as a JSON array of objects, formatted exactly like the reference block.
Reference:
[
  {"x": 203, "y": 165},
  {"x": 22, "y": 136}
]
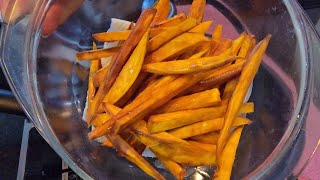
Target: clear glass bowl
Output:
[{"x": 51, "y": 85}]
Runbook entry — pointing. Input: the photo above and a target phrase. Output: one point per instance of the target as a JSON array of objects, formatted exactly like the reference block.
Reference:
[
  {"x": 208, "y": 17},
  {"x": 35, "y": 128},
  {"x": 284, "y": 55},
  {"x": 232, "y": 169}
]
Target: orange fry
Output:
[
  {"x": 201, "y": 28},
  {"x": 228, "y": 156},
  {"x": 176, "y": 47},
  {"x": 167, "y": 121},
  {"x": 248, "y": 72},
  {"x": 209, "y": 138},
  {"x": 133, "y": 156},
  {"x": 100, "y": 119},
  {"x": 199, "y": 100},
  {"x": 129, "y": 72},
  {"x": 99, "y": 76},
  {"x": 217, "y": 32},
  {"x": 224, "y": 44},
  {"x": 188, "y": 65},
  {"x": 175, "y": 20},
  {"x": 97, "y": 54},
  {"x": 166, "y": 36},
  {"x": 156, "y": 31},
  {"x": 120, "y": 59},
  {"x": 163, "y": 8},
  {"x": 203, "y": 127},
  {"x": 197, "y": 9},
  {"x": 112, "y": 36},
  {"x": 176, "y": 169}
]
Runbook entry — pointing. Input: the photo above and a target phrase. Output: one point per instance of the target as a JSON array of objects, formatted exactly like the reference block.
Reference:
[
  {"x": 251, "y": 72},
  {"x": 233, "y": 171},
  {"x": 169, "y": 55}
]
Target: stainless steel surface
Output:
[{"x": 51, "y": 85}]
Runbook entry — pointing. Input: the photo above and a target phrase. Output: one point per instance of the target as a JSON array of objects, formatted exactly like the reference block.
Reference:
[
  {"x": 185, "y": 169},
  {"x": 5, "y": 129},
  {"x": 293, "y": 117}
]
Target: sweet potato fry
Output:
[
  {"x": 217, "y": 32},
  {"x": 167, "y": 121},
  {"x": 156, "y": 31},
  {"x": 197, "y": 10},
  {"x": 248, "y": 72},
  {"x": 224, "y": 45},
  {"x": 176, "y": 169},
  {"x": 188, "y": 65},
  {"x": 192, "y": 155},
  {"x": 209, "y": 138},
  {"x": 203, "y": 127},
  {"x": 244, "y": 52},
  {"x": 202, "y": 28},
  {"x": 175, "y": 20},
  {"x": 100, "y": 119},
  {"x": 199, "y": 100},
  {"x": 199, "y": 54},
  {"x": 205, "y": 146},
  {"x": 228, "y": 156},
  {"x": 236, "y": 44},
  {"x": 129, "y": 72},
  {"x": 166, "y": 36},
  {"x": 163, "y": 8},
  {"x": 97, "y": 54},
  {"x": 176, "y": 47},
  {"x": 133, "y": 156},
  {"x": 94, "y": 66},
  {"x": 125, "y": 51},
  {"x": 107, "y": 143},
  {"x": 112, "y": 36},
  {"x": 99, "y": 76}
]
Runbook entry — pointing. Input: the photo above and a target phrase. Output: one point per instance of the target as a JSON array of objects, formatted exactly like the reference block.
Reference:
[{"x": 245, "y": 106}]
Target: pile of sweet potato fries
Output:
[{"x": 170, "y": 88}]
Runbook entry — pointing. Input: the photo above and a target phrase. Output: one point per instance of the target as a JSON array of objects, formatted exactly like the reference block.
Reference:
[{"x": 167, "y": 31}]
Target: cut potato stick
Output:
[
  {"x": 107, "y": 143},
  {"x": 98, "y": 77},
  {"x": 129, "y": 72},
  {"x": 209, "y": 138},
  {"x": 217, "y": 32},
  {"x": 176, "y": 169},
  {"x": 112, "y": 36},
  {"x": 175, "y": 20},
  {"x": 120, "y": 59},
  {"x": 204, "y": 127},
  {"x": 163, "y": 8},
  {"x": 224, "y": 45},
  {"x": 100, "y": 119},
  {"x": 205, "y": 146},
  {"x": 228, "y": 156},
  {"x": 244, "y": 52},
  {"x": 188, "y": 65},
  {"x": 215, "y": 78},
  {"x": 156, "y": 31},
  {"x": 187, "y": 154},
  {"x": 199, "y": 54},
  {"x": 199, "y": 100},
  {"x": 201, "y": 28},
  {"x": 166, "y": 36},
  {"x": 197, "y": 10},
  {"x": 236, "y": 44},
  {"x": 133, "y": 156},
  {"x": 176, "y": 47},
  {"x": 168, "y": 121},
  {"x": 247, "y": 75},
  {"x": 94, "y": 66},
  {"x": 97, "y": 54}
]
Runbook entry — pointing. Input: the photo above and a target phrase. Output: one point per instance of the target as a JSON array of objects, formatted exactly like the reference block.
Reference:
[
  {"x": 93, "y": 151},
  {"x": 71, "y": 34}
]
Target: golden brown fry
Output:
[
  {"x": 228, "y": 156},
  {"x": 112, "y": 36},
  {"x": 163, "y": 8},
  {"x": 199, "y": 54},
  {"x": 97, "y": 54},
  {"x": 167, "y": 121},
  {"x": 192, "y": 155},
  {"x": 175, "y": 20},
  {"x": 224, "y": 45},
  {"x": 248, "y": 72},
  {"x": 94, "y": 66},
  {"x": 156, "y": 31},
  {"x": 129, "y": 72},
  {"x": 205, "y": 146},
  {"x": 217, "y": 32},
  {"x": 236, "y": 44},
  {"x": 201, "y": 28},
  {"x": 100, "y": 119},
  {"x": 209, "y": 138},
  {"x": 197, "y": 10},
  {"x": 133, "y": 156},
  {"x": 188, "y": 65},
  {"x": 205, "y": 127},
  {"x": 120, "y": 59},
  {"x": 99, "y": 75},
  {"x": 107, "y": 143},
  {"x": 176, "y": 47},
  {"x": 176, "y": 169},
  {"x": 244, "y": 52},
  {"x": 199, "y": 100},
  {"x": 166, "y": 36}
]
